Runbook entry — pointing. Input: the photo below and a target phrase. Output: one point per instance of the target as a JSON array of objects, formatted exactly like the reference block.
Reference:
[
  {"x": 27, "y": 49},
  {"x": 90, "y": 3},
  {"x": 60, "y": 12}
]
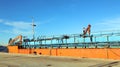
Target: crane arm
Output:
[
  {"x": 87, "y": 30},
  {"x": 15, "y": 39}
]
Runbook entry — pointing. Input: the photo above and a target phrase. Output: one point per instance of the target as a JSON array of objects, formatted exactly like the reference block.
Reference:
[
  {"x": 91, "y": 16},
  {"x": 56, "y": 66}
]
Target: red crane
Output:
[{"x": 87, "y": 30}]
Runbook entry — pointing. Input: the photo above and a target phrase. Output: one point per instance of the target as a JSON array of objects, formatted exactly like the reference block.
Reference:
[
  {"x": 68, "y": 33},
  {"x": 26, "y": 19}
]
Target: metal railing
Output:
[{"x": 109, "y": 40}]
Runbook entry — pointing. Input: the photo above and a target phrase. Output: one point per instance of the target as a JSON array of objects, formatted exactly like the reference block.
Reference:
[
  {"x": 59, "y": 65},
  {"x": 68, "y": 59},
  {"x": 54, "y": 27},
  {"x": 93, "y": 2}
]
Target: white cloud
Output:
[
  {"x": 23, "y": 32},
  {"x": 6, "y": 31},
  {"x": 107, "y": 25},
  {"x": 20, "y": 27},
  {"x": 17, "y": 27},
  {"x": 19, "y": 24},
  {"x": 111, "y": 22}
]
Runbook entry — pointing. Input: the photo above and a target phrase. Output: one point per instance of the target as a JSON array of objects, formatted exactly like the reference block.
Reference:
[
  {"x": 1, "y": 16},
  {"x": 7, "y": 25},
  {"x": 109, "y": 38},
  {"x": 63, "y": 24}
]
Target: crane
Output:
[
  {"x": 85, "y": 31},
  {"x": 12, "y": 41}
]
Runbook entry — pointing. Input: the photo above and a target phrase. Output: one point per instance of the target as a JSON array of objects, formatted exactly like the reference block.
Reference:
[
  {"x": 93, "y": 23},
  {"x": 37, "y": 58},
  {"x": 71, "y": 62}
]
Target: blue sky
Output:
[{"x": 54, "y": 17}]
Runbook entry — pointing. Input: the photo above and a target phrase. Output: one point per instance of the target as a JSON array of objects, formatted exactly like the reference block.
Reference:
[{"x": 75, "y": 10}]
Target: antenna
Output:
[{"x": 33, "y": 25}]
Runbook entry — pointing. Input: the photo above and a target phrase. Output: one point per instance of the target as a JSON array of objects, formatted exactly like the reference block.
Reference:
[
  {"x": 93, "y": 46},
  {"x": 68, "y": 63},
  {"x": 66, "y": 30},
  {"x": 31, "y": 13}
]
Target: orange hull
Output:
[{"x": 104, "y": 53}]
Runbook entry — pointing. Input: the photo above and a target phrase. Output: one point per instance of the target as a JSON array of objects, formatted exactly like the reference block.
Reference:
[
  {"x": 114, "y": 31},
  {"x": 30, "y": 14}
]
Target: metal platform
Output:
[{"x": 96, "y": 40}]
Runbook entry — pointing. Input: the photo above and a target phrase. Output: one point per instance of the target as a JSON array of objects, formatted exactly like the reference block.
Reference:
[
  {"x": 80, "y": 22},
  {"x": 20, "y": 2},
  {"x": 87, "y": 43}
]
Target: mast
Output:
[{"x": 33, "y": 31}]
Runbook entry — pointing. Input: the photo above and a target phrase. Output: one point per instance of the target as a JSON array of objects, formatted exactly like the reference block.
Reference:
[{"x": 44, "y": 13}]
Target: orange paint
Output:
[
  {"x": 13, "y": 49},
  {"x": 105, "y": 53},
  {"x": 42, "y": 51},
  {"x": 114, "y": 53},
  {"x": 24, "y": 51}
]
